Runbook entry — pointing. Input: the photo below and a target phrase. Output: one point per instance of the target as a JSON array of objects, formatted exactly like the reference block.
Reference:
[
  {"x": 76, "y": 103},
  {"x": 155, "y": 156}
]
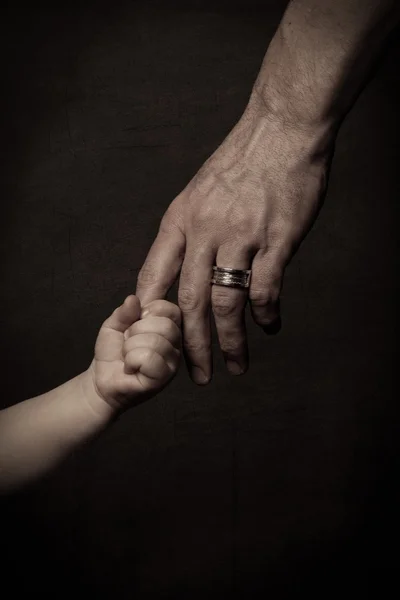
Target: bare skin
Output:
[
  {"x": 255, "y": 199},
  {"x": 136, "y": 355}
]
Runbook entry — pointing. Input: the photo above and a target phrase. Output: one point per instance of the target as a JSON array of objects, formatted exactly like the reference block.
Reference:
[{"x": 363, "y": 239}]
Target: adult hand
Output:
[{"x": 248, "y": 207}]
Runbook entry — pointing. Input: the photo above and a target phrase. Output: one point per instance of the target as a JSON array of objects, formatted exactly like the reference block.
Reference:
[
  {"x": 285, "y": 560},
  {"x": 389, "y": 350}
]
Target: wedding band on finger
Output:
[{"x": 239, "y": 278}]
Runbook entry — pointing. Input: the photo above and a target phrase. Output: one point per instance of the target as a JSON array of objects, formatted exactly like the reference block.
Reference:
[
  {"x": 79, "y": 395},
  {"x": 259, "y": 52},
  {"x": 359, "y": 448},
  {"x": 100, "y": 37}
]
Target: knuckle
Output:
[
  {"x": 260, "y": 297},
  {"x": 188, "y": 299},
  {"x": 264, "y": 298},
  {"x": 278, "y": 229},
  {"x": 223, "y": 304},
  {"x": 243, "y": 221},
  {"x": 170, "y": 328},
  {"x": 129, "y": 355},
  {"x": 159, "y": 344},
  {"x": 232, "y": 341},
  {"x": 196, "y": 346},
  {"x": 152, "y": 340},
  {"x": 147, "y": 275},
  {"x": 231, "y": 347},
  {"x": 146, "y": 354},
  {"x": 202, "y": 212},
  {"x": 202, "y": 217}
]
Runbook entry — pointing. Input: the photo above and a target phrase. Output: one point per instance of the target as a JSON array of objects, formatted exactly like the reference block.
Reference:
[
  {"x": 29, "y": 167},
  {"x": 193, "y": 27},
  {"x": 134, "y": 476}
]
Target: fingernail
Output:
[
  {"x": 145, "y": 313},
  {"x": 234, "y": 367},
  {"x": 199, "y": 376}
]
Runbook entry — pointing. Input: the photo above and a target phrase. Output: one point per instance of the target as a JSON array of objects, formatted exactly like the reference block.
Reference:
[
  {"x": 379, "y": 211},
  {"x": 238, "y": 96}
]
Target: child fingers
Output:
[
  {"x": 161, "y": 325},
  {"x": 155, "y": 342},
  {"x": 162, "y": 308},
  {"x": 148, "y": 363}
]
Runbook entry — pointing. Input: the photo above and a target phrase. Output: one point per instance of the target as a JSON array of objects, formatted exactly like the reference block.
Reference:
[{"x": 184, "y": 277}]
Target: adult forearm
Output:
[
  {"x": 35, "y": 435},
  {"x": 320, "y": 58}
]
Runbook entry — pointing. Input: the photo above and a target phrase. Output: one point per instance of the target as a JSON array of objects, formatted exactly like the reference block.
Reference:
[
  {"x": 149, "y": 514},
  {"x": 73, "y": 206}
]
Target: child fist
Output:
[{"x": 137, "y": 352}]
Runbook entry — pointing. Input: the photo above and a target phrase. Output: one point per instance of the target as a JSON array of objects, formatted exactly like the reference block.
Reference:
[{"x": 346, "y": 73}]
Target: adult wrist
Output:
[
  {"x": 298, "y": 119},
  {"x": 269, "y": 125}
]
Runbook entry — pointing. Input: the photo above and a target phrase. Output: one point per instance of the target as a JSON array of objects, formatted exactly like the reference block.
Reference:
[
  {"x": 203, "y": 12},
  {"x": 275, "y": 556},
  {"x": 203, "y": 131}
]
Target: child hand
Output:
[{"x": 137, "y": 353}]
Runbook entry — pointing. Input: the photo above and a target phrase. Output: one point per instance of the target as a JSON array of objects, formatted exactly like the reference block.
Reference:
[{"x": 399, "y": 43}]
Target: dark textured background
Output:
[{"x": 281, "y": 482}]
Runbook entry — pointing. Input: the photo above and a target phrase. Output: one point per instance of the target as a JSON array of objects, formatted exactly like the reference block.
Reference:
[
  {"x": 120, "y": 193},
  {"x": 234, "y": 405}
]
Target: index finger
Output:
[{"x": 161, "y": 267}]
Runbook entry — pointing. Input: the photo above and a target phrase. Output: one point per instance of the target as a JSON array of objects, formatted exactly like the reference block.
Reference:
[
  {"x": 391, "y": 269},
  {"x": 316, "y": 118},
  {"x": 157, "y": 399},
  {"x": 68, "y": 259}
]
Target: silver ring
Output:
[{"x": 231, "y": 277}]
